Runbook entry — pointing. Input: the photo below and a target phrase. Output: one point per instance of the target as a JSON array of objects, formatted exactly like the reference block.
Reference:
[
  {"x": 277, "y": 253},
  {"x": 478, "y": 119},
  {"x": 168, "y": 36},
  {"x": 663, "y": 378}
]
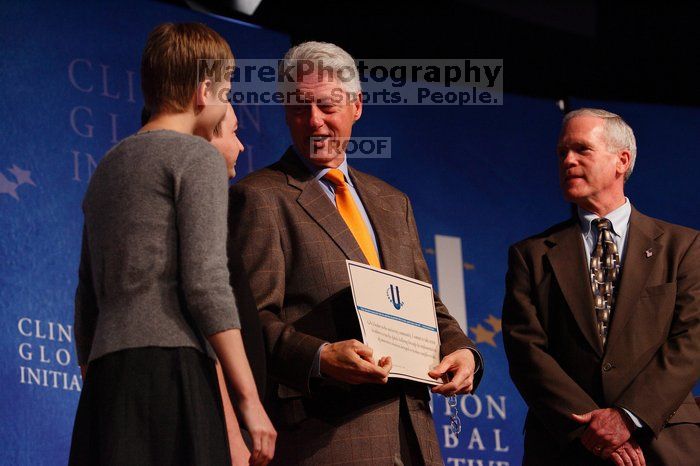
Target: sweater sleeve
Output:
[
  {"x": 202, "y": 210},
  {"x": 86, "y": 310}
]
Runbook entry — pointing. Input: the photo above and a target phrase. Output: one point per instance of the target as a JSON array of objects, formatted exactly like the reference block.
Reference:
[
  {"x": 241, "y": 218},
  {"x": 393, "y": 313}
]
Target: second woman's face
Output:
[{"x": 226, "y": 141}]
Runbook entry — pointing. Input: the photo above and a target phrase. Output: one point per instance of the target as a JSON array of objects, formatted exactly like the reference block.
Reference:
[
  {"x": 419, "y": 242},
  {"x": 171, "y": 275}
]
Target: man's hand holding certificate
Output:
[
  {"x": 397, "y": 319},
  {"x": 352, "y": 362},
  {"x": 399, "y": 328},
  {"x": 400, "y": 332}
]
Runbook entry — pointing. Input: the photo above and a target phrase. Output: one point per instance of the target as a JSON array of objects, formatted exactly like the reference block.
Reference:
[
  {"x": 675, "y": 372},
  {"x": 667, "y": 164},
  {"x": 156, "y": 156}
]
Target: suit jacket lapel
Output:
[
  {"x": 641, "y": 253},
  {"x": 377, "y": 210},
  {"x": 567, "y": 257},
  {"x": 316, "y": 203}
]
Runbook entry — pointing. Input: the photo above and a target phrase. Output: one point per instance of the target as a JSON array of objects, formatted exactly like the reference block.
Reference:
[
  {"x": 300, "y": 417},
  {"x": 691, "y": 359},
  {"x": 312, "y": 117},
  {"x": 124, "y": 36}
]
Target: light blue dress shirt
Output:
[{"x": 620, "y": 219}]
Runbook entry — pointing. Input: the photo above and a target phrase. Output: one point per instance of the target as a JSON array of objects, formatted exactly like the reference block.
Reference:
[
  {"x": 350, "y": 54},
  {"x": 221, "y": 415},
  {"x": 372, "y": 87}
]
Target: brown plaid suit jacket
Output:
[{"x": 292, "y": 246}]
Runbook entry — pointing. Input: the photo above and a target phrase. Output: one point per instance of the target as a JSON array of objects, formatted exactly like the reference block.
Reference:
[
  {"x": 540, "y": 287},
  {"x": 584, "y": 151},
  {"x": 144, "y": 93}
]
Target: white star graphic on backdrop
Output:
[
  {"x": 23, "y": 176},
  {"x": 8, "y": 187}
]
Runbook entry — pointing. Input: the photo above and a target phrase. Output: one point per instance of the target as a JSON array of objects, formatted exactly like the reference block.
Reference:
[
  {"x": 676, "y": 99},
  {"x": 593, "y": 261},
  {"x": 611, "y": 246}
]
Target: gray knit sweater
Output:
[{"x": 153, "y": 269}]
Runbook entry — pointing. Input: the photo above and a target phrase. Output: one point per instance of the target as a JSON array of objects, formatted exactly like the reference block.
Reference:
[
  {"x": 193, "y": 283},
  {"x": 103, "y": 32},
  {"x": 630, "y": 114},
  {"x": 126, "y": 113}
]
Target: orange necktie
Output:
[{"x": 351, "y": 214}]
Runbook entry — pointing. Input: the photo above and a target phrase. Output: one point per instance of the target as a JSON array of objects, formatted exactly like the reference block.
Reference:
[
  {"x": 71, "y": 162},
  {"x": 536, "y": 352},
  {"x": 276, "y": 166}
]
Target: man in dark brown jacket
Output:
[
  {"x": 330, "y": 400},
  {"x": 601, "y": 319}
]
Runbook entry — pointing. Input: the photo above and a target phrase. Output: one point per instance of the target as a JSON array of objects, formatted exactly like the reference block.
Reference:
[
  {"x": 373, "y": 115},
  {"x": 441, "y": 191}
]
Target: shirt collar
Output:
[
  {"x": 619, "y": 218},
  {"x": 319, "y": 172}
]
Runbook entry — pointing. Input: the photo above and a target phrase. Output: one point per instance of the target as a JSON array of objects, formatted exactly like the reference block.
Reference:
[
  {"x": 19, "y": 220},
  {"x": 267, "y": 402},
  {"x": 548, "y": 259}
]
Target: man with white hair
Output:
[
  {"x": 601, "y": 319},
  {"x": 295, "y": 223}
]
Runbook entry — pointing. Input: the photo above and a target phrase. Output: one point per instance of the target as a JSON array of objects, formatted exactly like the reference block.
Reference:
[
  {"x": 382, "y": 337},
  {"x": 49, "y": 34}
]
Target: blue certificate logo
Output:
[{"x": 394, "y": 297}]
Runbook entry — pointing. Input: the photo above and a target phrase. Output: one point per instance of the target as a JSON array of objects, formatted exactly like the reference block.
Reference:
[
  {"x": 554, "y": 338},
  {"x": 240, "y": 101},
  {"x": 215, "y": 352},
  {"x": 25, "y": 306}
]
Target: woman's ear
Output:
[{"x": 204, "y": 91}]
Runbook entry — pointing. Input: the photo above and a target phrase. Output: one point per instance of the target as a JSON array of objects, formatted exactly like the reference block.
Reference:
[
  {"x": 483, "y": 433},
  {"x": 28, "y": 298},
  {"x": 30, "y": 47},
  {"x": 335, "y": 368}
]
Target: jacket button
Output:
[{"x": 607, "y": 366}]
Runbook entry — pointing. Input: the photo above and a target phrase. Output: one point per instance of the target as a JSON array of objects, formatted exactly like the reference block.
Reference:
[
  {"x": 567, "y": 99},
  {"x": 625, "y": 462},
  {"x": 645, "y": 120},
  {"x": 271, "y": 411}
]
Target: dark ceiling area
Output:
[{"x": 643, "y": 52}]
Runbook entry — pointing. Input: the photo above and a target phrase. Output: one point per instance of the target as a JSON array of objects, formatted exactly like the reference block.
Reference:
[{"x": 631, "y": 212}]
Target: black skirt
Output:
[{"x": 150, "y": 406}]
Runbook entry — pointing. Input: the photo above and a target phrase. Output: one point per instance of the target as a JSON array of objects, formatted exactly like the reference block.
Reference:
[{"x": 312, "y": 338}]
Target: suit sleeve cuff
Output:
[
  {"x": 478, "y": 360},
  {"x": 635, "y": 420},
  {"x": 315, "y": 372}
]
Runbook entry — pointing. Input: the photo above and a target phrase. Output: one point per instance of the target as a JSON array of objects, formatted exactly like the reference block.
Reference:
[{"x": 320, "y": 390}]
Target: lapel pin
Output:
[{"x": 648, "y": 253}]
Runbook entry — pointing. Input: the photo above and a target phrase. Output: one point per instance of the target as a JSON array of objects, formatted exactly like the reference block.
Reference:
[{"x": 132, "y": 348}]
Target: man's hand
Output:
[
  {"x": 629, "y": 454},
  {"x": 607, "y": 430},
  {"x": 351, "y": 361},
  {"x": 460, "y": 365}
]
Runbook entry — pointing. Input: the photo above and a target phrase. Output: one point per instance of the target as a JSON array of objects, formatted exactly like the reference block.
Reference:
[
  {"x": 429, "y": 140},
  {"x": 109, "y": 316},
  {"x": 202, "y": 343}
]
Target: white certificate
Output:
[{"x": 397, "y": 319}]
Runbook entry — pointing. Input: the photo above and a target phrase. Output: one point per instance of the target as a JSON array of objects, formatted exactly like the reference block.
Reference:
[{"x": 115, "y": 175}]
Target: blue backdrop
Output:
[
  {"x": 485, "y": 175},
  {"x": 71, "y": 89}
]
